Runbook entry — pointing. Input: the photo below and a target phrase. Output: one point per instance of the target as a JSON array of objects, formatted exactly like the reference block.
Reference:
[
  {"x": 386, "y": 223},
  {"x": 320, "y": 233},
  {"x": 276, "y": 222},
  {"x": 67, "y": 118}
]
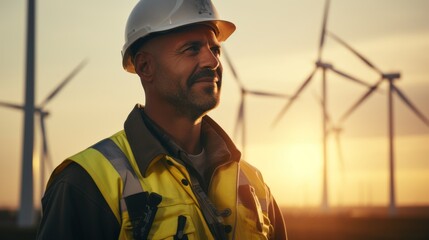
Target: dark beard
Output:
[{"x": 195, "y": 105}]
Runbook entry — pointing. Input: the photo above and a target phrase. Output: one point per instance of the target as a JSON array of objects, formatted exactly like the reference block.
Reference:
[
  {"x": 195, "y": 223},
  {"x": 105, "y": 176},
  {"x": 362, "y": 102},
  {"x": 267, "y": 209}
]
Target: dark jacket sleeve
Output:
[
  {"x": 74, "y": 208},
  {"x": 276, "y": 218}
]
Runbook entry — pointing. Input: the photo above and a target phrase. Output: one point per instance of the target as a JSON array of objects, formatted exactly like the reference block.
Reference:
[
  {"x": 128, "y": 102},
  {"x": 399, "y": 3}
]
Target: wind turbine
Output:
[
  {"x": 324, "y": 67},
  {"x": 390, "y": 77},
  {"x": 335, "y": 130},
  {"x": 240, "y": 124},
  {"x": 42, "y": 113}
]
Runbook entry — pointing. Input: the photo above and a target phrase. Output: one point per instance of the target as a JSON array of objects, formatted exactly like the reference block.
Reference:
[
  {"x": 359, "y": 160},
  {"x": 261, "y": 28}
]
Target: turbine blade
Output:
[
  {"x": 64, "y": 82},
  {"x": 267, "y": 94},
  {"x": 43, "y": 132},
  {"x": 321, "y": 102},
  {"x": 360, "y": 101},
  {"x": 44, "y": 153},
  {"x": 243, "y": 127},
  {"x": 294, "y": 96},
  {"x": 240, "y": 118},
  {"x": 365, "y": 60},
  {"x": 323, "y": 33},
  {"x": 19, "y": 107},
  {"x": 231, "y": 67},
  {"x": 12, "y": 105},
  {"x": 347, "y": 76},
  {"x": 410, "y": 105}
]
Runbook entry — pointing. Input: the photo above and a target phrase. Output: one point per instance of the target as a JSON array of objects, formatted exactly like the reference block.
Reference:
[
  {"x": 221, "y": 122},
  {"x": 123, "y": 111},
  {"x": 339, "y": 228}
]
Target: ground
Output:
[{"x": 373, "y": 223}]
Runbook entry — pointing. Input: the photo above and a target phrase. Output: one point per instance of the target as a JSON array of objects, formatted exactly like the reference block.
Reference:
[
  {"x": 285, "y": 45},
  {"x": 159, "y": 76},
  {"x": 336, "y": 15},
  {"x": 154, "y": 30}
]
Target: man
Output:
[{"x": 172, "y": 173}]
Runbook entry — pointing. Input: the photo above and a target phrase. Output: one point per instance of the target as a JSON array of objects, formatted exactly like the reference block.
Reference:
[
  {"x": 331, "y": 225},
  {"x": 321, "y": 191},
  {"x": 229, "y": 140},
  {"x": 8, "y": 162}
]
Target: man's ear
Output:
[{"x": 143, "y": 65}]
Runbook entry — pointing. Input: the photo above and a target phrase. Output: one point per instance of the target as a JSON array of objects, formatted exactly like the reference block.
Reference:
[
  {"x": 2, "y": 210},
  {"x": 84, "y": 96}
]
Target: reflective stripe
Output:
[{"x": 120, "y": 162}]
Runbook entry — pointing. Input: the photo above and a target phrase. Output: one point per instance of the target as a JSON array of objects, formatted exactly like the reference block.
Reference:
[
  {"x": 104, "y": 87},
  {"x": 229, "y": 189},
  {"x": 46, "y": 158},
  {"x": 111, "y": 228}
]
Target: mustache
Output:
[{"x": 206, "y": 72}]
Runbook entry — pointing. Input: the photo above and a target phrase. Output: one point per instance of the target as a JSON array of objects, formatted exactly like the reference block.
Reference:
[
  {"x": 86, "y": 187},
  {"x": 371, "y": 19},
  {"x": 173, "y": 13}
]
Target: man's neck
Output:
[{"x": 183, "y": 131}]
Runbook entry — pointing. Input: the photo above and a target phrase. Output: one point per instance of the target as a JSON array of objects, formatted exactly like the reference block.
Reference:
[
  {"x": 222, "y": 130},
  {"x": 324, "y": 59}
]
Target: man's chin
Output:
[{"x": 207, "y": 105}]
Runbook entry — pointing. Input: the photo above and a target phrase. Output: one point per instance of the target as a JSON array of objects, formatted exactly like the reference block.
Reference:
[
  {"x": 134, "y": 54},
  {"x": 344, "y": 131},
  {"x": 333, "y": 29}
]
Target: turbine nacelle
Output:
[
  {"x": 323, "y": 65},
  {"x": 391, "y": 76}
]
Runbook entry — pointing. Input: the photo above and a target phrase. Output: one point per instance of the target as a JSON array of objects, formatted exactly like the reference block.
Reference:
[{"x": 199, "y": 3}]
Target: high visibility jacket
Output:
[{"x": 132, "y": 161}]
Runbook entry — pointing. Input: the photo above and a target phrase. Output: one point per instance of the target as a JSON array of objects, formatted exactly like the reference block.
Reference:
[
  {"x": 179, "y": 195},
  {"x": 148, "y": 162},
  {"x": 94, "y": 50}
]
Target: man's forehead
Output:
[
  {"x": 201, "y": 28},
  {"x": 196, "y": 32}
]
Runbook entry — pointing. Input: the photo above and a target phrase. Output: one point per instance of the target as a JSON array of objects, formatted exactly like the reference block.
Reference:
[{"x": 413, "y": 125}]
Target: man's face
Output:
[{"x": 188, "y": 73}]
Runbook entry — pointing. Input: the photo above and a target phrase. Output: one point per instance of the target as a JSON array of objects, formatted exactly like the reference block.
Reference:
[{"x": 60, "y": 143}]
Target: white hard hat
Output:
[{"x": 151, "y": 16}]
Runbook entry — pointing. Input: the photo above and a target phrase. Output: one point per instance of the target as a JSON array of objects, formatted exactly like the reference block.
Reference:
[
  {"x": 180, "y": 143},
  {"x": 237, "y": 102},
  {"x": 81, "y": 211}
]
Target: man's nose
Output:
[{"x": 209, "y": 59}]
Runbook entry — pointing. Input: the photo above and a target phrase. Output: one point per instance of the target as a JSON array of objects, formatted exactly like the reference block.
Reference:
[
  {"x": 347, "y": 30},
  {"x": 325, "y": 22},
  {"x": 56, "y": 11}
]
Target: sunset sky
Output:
[{"x": 274, "y": 50}]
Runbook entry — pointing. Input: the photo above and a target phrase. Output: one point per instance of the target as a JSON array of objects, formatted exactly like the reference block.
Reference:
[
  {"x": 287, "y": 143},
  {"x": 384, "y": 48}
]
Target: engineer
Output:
[{"x": 172, "y": 172}]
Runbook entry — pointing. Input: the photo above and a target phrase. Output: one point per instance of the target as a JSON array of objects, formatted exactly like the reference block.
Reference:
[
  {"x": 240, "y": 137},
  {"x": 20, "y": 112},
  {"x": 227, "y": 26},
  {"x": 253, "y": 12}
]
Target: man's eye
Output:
[{"x": 193, "y": 49}]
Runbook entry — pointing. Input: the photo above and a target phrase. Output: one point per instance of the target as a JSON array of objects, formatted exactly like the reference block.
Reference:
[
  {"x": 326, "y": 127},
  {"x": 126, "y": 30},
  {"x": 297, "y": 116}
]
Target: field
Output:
[
  {"x": 358, "y": 223},
  {"x": 410, "y": 223}
]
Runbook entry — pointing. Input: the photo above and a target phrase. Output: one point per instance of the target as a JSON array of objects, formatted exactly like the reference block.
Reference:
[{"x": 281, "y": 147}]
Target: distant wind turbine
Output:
[
  {"x": 42, "y": 113},
  {"x": 336, "y": 131},
  {"x": 324, "y": 67},
  {"x": 390, "y": 78},
  {"x": 240, "y": 124}
]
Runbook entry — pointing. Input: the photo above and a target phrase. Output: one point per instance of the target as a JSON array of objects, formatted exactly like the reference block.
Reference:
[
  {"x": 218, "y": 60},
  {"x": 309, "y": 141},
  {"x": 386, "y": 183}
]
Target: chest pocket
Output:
[
  {"x": 171, "y": 226},
  {"x": 253, "y": 209}
]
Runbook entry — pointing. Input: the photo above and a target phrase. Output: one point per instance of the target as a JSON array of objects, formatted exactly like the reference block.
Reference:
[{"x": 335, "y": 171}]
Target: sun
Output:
[{"x": 292, "y": 171}]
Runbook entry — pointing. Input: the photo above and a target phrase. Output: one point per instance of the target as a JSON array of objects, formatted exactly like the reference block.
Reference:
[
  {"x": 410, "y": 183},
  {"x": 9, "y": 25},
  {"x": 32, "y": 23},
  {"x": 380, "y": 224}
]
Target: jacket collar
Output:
[{"x": 148, "y": 141}]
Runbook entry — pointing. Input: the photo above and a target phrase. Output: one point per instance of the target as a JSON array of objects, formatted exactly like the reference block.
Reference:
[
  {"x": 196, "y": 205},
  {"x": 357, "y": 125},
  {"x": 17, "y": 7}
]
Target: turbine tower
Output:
[
  {"x": 26, "y": 208},
  {"x": 390, "y": 77}
]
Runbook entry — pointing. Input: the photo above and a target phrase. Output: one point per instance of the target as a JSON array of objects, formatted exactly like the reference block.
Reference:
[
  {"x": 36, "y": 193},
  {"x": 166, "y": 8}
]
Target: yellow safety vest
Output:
[{"x": 236, "y": 186}]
